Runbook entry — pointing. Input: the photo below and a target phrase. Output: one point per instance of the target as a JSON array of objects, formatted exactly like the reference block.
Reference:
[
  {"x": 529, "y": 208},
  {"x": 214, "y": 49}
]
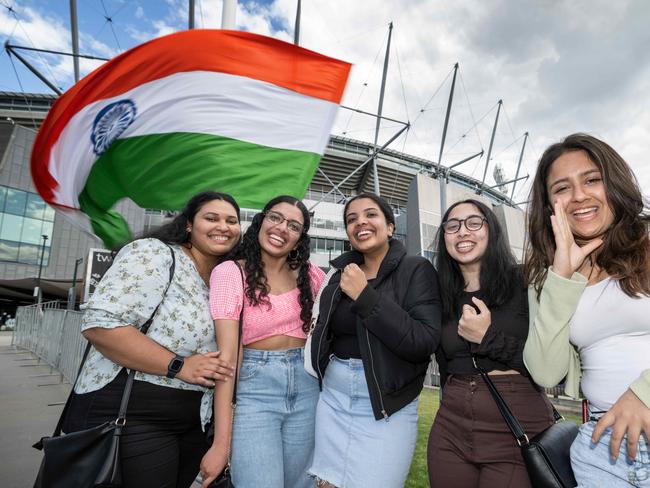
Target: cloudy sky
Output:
[{"x": 559, "y": 66}]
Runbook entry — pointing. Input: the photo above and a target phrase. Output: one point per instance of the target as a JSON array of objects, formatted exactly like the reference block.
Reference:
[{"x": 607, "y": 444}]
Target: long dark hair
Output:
[
  {"x": 625, "y": 252},
  {"x": 497, "y": 267},
  {"x": 381, "y": 203},
  {"x": 175, "y": 232},
  {"x": 257, "y": 289}
]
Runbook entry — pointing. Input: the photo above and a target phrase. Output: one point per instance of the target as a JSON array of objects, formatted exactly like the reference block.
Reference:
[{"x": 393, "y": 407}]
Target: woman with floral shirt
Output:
[{"x": 176, "y": 361}]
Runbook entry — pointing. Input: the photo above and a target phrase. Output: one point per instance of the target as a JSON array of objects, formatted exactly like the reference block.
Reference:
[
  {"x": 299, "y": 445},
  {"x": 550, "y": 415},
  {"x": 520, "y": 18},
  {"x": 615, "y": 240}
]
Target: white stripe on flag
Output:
[{"x": 199, "y": 102}]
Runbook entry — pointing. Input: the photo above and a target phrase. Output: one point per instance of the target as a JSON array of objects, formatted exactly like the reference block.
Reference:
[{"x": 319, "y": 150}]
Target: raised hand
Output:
[
  {"x": 629, "y": 415},
  {"x": 472, "y": 326},
  {"x": 569, "y": 256},
  {"x": 205, "y": 369},
  {"x": 353, "y": 281}
]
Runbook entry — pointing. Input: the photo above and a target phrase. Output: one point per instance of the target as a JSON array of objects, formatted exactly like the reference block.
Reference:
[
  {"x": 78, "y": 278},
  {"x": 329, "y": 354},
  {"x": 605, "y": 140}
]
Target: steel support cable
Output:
[
  {"x": 397, "y": 172},
  {"x": 433, "y": 96},
  {"x": 109, "y": 19},
  {"x": 22, "y": 90},
  {"x": 472, "y": 127},
  {"x": 365, "y": 85},
  {"x": 43, "y": 60},
  {"x": 469, "y": 105},
  {"x": 401, "y": 80}
]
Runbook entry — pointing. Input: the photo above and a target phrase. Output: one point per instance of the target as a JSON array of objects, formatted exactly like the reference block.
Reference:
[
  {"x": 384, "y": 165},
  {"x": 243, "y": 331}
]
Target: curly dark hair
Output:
[
  {"x": 175, "y": 232},
  {"x": 257, "y": 289}
]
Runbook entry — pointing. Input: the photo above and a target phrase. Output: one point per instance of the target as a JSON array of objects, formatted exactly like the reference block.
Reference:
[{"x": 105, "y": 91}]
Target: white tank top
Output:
[{"x": 612, "y": 334}]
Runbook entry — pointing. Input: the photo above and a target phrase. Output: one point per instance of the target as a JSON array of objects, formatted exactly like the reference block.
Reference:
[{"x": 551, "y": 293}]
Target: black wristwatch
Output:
[{"x": 175, "y": 366}]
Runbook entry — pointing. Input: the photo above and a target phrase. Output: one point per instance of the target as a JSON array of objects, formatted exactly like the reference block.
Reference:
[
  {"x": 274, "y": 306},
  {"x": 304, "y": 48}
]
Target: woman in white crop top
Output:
[{"x": 588, "y": 264}]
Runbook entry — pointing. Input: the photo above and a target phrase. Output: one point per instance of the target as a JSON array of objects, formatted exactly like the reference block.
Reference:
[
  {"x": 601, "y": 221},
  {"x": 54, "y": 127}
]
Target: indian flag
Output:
[{"x": 196, "y": 110}]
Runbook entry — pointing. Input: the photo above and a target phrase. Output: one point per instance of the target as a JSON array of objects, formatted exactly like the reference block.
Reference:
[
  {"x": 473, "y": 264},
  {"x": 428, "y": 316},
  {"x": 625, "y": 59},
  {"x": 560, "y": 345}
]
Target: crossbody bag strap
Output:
[
  {"x": 129, "y": 381},
  {"x": 239, "y": 334},
  {"x": 233, "y": 402},
  {"x": 512, "y": 422},
  {"x": 121, "y": 417}
]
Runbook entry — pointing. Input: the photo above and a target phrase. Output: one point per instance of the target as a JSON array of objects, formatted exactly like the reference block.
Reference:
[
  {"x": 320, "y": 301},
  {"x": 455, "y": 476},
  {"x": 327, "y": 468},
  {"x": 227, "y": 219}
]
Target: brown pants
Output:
[{"x": 470, "y": 444}]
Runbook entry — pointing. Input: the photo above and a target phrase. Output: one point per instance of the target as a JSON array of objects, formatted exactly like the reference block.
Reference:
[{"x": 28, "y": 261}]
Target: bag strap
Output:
[
  {"x": 512, "y": 422},
  {"x": 315, "y": 311},
  {"x": 129, "y": 381},
  {"x": 233, "y": 402},
  {"x": 239, "y": 335}
]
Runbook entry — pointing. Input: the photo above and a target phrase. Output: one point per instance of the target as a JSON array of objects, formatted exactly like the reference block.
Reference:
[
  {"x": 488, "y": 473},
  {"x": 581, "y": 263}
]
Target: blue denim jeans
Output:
[
  {"x": 594, "y": 468},
  {"x": 273, "y": 431}
]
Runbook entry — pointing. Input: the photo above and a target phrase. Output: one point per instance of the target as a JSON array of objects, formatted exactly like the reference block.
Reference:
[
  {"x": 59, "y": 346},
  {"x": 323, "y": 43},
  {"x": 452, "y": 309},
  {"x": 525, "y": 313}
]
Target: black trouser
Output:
[{"x": 162, "y": 443}]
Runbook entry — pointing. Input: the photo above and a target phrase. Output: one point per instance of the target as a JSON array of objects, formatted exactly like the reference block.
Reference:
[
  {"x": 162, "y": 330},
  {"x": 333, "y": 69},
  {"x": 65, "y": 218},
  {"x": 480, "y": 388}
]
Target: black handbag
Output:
[
  {"x": 90, "y": 457},
  {"x": 224, "y": 479},
  {"x": 546, "y": 455}
]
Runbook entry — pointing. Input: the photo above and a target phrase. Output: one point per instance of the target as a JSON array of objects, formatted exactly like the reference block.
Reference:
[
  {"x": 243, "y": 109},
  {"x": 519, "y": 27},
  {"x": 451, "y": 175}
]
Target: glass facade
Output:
[{"x": 24, "y": 219}]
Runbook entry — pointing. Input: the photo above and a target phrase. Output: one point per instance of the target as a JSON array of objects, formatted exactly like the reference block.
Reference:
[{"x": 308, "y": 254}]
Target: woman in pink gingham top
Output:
[{"x": 272, "y": 436}]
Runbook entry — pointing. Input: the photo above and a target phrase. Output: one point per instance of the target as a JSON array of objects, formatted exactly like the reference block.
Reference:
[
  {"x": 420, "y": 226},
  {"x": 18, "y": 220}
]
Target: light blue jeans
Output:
[
  {"x": 273, "y": 431},
  {"x": 593, "y": 467},
  {"x": 353, "y": 449}
]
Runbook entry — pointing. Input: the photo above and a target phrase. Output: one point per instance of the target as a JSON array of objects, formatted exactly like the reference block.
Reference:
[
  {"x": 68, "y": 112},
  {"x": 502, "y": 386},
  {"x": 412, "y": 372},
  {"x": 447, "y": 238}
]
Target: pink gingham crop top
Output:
[{"x": 260, "y": 322}]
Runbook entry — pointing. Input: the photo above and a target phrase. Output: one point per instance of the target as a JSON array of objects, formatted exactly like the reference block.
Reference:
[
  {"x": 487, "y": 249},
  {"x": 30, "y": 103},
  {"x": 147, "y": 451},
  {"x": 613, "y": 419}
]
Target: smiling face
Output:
[
  {"x": 366, "y": 226},
  {"x": 577, "y": 183},
  {"x": 466, "y": 247},
  {"x": 279, "y": 239},
  {"x": 215, "y": 229}
]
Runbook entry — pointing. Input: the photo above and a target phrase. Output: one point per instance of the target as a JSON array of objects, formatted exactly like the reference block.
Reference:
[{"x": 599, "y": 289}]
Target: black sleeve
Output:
[
  {"x": 410, "y": 330},
  {"x": 501, "y": 347}
]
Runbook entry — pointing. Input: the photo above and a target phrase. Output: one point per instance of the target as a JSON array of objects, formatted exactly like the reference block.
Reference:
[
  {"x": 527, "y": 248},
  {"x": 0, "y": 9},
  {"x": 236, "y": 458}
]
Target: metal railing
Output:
[{"x": 53, "y": 334}]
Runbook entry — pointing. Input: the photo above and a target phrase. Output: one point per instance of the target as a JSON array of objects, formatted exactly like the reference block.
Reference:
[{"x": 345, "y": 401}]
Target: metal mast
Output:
[
  {"x": 363, "y": 180},
  {"x": 296, "y": 29},
  {"x": 74, "y": 31},
  {"x": 442, "y": 175},
  {"x": 521, "y": 156},
  {"x": 494, "y": 130},
  {"x": 190, "y": 17},
  {"x": 229, "y": 14}
]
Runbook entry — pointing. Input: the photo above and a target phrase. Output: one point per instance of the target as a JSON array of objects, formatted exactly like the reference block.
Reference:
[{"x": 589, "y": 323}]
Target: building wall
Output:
[
  {"x": 424, "y": 215},
  {"x": 67, "y": 243}
]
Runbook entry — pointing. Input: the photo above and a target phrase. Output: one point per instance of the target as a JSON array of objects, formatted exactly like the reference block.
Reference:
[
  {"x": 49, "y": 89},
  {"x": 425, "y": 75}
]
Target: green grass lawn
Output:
[{"x": 418, "y": 477}]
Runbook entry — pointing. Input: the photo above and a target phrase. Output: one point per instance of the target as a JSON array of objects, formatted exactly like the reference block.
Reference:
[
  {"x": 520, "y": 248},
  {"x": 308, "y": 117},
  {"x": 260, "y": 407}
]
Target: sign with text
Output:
[{"x": 98, "y": 262}]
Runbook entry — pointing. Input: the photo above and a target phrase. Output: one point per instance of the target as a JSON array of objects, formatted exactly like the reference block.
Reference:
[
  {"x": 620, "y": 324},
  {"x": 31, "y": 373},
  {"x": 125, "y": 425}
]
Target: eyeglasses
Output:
[
  {"x": 277, "y": 218},
  {"x": 473, "y": 222}
]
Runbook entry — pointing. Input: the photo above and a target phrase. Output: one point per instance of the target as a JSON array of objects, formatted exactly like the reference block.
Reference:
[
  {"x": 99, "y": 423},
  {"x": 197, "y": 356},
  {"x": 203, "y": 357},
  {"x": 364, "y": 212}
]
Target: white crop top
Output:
[{"x": 612, "y": 334}]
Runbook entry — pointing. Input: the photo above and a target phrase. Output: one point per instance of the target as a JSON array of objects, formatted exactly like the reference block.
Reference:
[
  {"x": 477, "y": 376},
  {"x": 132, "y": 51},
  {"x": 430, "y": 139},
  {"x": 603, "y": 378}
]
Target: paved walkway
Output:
[{"x": 31, "y": 400}]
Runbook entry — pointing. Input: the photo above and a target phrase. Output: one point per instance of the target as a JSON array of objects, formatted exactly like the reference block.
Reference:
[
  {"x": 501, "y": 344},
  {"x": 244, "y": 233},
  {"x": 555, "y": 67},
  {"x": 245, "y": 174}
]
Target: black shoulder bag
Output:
[
  {"x": 90, "y": 457},
  {"x": 546, "y": 455},
  {"x": 224, "y": 479}
]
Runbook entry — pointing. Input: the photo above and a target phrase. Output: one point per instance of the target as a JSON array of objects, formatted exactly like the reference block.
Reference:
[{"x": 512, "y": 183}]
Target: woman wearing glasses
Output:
[
  {"x": 485, "y": 315},
  {"x": 272, "y": 435}
]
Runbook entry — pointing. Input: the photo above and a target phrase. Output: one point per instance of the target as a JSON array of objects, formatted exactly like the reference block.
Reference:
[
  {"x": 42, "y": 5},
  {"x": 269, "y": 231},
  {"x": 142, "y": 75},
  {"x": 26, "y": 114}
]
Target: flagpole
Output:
[{"x": 229, "y": 14}]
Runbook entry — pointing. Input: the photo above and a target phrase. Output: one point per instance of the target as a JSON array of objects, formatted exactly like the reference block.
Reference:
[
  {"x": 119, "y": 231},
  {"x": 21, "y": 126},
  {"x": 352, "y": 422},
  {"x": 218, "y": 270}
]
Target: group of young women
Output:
[{"x": 577, "y": 310}]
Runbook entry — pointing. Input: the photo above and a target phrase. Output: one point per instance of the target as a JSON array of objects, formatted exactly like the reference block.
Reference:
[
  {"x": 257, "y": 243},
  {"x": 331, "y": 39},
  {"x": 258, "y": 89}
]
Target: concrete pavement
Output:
[{"x": 31, "y": 400}]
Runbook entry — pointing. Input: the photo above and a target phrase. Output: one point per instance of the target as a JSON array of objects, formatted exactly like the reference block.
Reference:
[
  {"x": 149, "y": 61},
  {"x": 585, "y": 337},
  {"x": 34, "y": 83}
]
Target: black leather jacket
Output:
[{"x": 398, "y": 326}]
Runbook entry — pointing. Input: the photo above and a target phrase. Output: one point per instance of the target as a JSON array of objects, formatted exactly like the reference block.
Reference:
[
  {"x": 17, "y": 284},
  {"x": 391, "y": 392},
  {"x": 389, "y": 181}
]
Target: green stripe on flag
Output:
[{"x": 163, "y": 171}]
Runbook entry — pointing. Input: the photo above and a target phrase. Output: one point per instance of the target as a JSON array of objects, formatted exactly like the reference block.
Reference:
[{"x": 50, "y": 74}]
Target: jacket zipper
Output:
[
  {"x": 372, "y": 368},
  {"x": 320, "y": 342}
]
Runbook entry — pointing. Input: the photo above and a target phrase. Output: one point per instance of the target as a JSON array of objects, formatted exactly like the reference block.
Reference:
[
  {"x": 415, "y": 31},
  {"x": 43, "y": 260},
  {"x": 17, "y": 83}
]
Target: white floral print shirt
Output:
[{"x": 128, "y": 294}]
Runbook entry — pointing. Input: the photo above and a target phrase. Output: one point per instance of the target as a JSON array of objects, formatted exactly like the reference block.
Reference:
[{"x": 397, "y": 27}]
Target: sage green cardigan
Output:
[{"x": 548, "y": 353}]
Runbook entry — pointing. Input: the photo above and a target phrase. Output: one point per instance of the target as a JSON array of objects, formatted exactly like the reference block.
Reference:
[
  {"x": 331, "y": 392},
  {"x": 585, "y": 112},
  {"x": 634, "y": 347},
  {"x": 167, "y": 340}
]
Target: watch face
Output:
[{"x": 176, "y": 364}]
